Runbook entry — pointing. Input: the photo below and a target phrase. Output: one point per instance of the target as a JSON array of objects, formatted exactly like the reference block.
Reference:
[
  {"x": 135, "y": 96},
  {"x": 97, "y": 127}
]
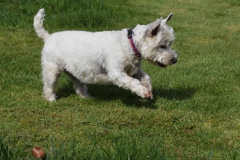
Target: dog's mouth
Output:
[{"x": 161, "y": 64}]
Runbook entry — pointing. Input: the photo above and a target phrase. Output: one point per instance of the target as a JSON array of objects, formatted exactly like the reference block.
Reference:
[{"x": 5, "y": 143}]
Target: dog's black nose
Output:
[{"x": 174, "y": 60}]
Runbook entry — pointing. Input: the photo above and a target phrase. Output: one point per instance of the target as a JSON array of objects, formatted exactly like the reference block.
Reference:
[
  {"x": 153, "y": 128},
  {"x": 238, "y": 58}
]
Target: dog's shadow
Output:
[
  {"x": 179, "y": 94},
  {"x": 109, "y": 93}
]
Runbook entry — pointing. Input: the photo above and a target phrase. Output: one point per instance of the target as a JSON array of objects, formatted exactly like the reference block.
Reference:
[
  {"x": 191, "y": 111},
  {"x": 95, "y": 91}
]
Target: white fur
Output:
[{"x": 102, "y": 57}]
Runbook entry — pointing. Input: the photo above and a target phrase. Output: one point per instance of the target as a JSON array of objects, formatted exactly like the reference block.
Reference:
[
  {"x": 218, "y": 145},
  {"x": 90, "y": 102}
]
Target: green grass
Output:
[{"x": 195, "y": 110}]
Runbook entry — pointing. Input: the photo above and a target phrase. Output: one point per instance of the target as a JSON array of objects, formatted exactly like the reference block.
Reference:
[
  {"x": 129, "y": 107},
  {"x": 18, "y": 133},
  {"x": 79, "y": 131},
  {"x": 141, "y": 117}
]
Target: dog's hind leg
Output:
[
  {"x": 79, "y": 87},
  {"x": 50, "y": 73}
]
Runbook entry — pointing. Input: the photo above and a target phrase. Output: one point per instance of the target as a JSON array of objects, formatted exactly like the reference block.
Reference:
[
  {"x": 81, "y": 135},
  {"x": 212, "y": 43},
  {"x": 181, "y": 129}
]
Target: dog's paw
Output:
[
  {"x": 51, "y": 98},
  {"x": 149, "y": 95},
  {"x": 85, "y": 96},
  {"x": 146, "y": 93}
]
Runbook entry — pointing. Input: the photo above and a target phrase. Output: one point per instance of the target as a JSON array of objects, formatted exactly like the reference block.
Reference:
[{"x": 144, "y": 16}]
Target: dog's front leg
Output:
[
  {"x": 126, "y": 82},
  {"x": 144, "y": 79}
]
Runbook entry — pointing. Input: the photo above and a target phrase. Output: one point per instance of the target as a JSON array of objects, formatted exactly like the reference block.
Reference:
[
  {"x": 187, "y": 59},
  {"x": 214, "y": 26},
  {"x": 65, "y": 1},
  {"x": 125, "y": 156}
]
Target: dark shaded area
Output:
[
  {"x": 175, "y": 93},
  {"x": 110, "y": 92}
]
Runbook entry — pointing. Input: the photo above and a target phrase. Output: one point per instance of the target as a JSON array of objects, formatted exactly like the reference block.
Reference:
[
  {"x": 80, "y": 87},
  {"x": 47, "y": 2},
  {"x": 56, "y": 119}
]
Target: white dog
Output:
[{"x": 104, "y": 57}]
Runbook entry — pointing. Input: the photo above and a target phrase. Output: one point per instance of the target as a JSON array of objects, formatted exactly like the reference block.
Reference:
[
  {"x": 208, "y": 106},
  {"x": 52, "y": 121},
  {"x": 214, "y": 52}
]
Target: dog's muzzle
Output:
[{"x": 173, "y": 61}]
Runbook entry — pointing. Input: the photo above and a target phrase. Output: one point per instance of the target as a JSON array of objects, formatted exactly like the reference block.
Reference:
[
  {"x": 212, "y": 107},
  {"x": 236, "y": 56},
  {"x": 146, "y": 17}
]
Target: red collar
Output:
[{"x": 136, "y": 52}]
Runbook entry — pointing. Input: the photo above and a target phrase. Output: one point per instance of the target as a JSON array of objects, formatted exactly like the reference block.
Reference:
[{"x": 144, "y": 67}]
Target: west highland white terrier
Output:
[{"x": 105, "y": 57}]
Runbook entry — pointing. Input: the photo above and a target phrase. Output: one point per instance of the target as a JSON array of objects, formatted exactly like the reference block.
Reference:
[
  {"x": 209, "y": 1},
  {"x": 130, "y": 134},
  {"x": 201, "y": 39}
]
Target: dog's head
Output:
[{"x": 154, "y": 42}]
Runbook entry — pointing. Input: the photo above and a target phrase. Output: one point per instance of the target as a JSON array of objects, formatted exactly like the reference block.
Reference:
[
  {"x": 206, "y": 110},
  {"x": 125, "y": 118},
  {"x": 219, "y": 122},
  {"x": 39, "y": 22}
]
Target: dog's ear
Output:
[
  {"x": 153, "y": 28},
  {"x": 168, "y": 18}
]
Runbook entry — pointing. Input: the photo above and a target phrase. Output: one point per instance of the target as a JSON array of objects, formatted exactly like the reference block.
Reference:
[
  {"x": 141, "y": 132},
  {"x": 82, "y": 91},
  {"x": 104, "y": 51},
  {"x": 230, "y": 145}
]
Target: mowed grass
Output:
[{"x": 195, "y": 110}]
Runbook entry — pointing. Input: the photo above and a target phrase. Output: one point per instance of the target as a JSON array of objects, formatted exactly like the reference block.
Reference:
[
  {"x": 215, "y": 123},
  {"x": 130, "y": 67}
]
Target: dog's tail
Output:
[{"x": 38, "y": 25}]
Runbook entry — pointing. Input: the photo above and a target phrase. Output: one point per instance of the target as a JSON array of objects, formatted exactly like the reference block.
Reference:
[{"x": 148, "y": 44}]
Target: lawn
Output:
[{"x": 195, "y": 113}]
